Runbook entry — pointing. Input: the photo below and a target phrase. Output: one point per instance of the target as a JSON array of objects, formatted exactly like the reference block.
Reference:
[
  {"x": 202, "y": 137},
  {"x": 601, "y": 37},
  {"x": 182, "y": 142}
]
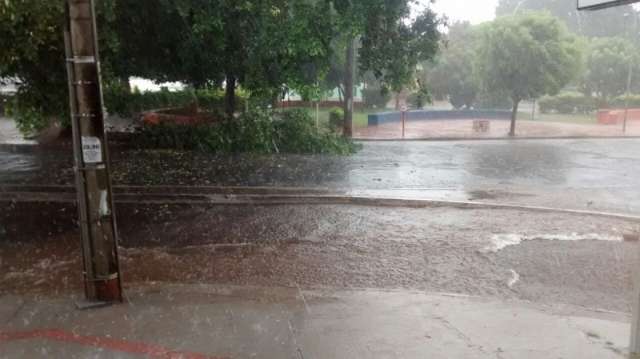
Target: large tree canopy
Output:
[
  {"x": 32, "y": 43},
  {"x": 264, "y": 46},
  {"x": 607, "y": 64},
  {"x": 451, "y": 75},
  {"x": 261, "y": 45},
  {"x": 608, "y": 22},
  {"x": 526, "y": 56},
  {"x": 392, "y": 47},
  {"x": 392, "y": 42}
]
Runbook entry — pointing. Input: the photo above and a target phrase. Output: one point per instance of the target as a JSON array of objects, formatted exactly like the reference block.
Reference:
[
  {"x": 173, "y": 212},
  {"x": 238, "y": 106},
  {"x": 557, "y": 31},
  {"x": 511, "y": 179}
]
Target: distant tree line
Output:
[
  {"x": 265, "y": 47},
  {"x": 525, "y": 55}
]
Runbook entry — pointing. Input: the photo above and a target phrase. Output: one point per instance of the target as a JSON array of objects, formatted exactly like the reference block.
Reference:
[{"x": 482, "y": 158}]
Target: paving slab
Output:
[{"x": 198, "y": 321}]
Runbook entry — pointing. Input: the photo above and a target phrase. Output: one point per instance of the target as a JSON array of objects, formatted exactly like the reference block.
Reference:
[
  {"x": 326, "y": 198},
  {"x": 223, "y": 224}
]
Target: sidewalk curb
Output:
[
  {"x": 31, "y": 148},
  {"x": 452, "y": 139},
  {"x": 242, "y": 196}
]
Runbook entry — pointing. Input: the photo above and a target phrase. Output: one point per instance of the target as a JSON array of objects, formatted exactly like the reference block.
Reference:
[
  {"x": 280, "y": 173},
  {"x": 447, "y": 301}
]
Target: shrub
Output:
[
  {"x": 621, "y": 101},
  {"x": 336, "y": 118},
  {"x": 33, "y": 110},
  {"x": 547, "y": 104},
  {"x": 568, "y": 103},
  {"x": 420, "y": 98},
  {"x": 375, "y": 97},
  {"x": 121, "y": 102},
  {"x": 297, "y": 133},
  {"x": 292, "y": 131}
]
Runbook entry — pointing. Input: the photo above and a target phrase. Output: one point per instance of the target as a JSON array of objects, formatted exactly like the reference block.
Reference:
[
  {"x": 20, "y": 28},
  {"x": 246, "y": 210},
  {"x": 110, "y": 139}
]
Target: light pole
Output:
[{"x": 630, "y": 70}]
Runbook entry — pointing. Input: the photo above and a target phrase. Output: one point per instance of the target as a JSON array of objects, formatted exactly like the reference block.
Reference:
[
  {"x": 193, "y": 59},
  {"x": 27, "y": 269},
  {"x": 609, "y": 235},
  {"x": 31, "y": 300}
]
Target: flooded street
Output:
[
  {"x": 570, "y": 259},
  {"x": 577, "y": 174},
  {"x": 547, "y": 257},
  {"x": 278, "y": 248},
  {"x": 403, "y": 179}
]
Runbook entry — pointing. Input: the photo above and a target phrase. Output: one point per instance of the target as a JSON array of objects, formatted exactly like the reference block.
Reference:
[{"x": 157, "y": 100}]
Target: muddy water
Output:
[
  {"x": 17, "y": 166},
  {"x": 577, "y": 174},
  {"x": 439, "y": 250}
]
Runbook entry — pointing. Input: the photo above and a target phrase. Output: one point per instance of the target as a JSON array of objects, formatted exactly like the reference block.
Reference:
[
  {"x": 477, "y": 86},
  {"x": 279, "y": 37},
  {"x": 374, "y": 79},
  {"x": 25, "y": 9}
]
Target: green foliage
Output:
[
  {"x": 31, "y": 39},
  {"x": 28, "y": 119},
  {"x": 621, "y": 101},
  {"x": 292, "y": 131},
  {"x": 32, "y": 53},
  {"x": 607, "y": 66},
  {"x": 491, "y": 100},
  {"x": 120, "y": 101},
  {"x": 568, "y": 103},
  {"x": 452, "y": 75},
  {"x": 336, "y": 118},
  {"x": 607, "y": 22},
  {"x": 296, "y": 132},
  {"x": 420, "y": 97},
  {"x": 392, "y": 45},
  {"x": 527, "y": 56},
  {"x": 376, "y": 98},
  {"x": 259, "y": 45}
]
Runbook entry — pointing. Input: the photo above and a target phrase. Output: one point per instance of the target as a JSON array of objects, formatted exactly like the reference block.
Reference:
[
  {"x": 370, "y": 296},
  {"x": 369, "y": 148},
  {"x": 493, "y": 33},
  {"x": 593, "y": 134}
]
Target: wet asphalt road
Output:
[
  {"x": 594, "y": 174},
  {"x": 327, "y": 246},
  {"x": 435, "y": 249}
]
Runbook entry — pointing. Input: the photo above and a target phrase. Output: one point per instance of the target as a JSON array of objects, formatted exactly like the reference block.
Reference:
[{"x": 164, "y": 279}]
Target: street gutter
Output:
[{"x": 264, "y": 196}]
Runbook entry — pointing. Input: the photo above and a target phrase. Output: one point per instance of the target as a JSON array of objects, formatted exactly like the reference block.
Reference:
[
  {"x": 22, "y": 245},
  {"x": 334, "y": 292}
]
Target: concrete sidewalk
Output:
[{"x": 172, "y": 321}]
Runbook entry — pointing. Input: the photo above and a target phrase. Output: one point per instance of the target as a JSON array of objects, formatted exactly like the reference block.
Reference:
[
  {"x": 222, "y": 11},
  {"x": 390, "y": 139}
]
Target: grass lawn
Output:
[
  {"x": 582, "y": 119},
  {"x": 360, "y": 118}
]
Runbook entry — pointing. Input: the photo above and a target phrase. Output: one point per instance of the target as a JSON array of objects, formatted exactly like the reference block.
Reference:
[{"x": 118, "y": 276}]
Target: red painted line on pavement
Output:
[{"x": 149, "y": 350}]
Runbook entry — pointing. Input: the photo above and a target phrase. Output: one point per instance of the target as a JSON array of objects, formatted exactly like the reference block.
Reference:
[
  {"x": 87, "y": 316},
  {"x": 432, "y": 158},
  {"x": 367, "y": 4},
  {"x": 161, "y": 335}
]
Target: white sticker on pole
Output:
[{"x": 91, "y": 150}]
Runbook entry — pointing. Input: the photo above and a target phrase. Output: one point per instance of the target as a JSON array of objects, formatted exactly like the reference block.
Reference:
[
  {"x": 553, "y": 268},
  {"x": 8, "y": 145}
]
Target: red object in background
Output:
[
  {"x": 152, "y": 118},
  {"x": 605, "y": 118},
  {"x": 616, "y": 116}
]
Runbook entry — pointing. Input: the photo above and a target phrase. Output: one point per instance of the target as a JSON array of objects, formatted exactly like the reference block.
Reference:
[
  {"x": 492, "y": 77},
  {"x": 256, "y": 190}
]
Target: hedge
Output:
[
  {"x": 119, "y": 101},
  {"x": 256, "y": 131},
  {"x": 568, "y": 103},
  {"x": 621, "y": 101}
]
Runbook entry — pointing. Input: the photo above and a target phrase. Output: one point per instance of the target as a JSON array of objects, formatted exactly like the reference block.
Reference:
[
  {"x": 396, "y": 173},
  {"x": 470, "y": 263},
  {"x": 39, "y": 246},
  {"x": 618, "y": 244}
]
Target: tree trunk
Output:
[
  {"x": 124, "y": 80},
  {"x": 230, "y": 96},
  {"x": 514, "y": 116},
  {"x": 348, "y": 89}
]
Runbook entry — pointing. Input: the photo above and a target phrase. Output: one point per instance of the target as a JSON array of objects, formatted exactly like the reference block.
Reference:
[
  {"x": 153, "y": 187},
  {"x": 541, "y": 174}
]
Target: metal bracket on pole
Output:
[{"x": 82, "y": 60}]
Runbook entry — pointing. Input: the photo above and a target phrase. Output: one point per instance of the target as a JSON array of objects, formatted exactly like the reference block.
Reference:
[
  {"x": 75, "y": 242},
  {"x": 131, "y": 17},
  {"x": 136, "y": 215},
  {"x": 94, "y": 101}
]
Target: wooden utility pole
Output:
[{"x": 93, "y": 181}]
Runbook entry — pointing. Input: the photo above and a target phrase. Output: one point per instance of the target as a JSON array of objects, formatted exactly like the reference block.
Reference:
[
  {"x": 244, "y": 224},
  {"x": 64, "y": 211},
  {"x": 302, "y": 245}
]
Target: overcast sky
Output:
[{"x": 475, "y": 11}]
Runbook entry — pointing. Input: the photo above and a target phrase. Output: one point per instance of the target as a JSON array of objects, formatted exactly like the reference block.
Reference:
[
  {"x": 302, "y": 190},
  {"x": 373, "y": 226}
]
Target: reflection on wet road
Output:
[
  {"x": 581, "y": 174},
  {"x": 17, "y": 166}
]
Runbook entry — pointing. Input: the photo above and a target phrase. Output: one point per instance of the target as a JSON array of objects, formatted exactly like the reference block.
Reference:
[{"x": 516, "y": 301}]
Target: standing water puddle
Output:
[{"x": 501, "y": 241}]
